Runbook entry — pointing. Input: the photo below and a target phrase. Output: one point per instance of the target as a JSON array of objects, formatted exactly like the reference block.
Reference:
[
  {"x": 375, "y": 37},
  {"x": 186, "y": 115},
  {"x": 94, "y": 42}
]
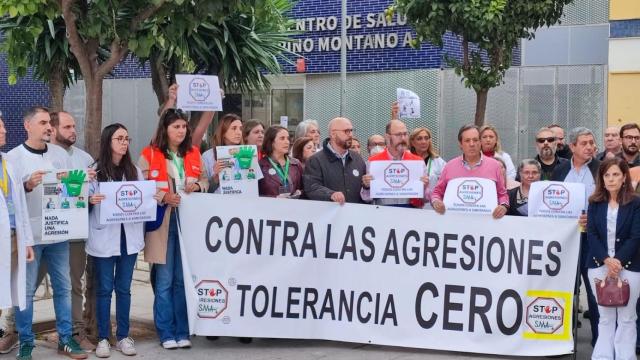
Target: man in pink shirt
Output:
[{"x": 471, "y": 164}]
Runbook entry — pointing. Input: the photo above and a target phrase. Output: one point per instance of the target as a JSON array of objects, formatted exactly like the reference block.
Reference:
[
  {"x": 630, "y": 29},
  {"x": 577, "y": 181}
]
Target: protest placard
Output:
[
  {"x": 198, "y": 93},
  {"x": 65, "y": 205},
  {"x": 127, "y": 202},
  {"x": 397, "y": 179}
]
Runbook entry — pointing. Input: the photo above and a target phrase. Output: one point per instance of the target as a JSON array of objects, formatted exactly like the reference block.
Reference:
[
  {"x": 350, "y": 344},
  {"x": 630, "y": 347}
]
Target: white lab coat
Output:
[
  {"x": 104, "y": 240},
  {"x": 13, "y": 286}
]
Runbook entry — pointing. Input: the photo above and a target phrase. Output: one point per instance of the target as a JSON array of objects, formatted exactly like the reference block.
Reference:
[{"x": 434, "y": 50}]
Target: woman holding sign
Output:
[
  {"x": 613, "y": 232},
  {"x": 114, "y": 247},
  {"x": 228, "y": 132},
  {"x": 283, "y": 173},
  {"x": 177, "y": 167}
]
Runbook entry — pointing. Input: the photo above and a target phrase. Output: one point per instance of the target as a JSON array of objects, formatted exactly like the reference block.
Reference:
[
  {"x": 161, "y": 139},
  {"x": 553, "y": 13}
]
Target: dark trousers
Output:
[{"x": 594, "y": 315}]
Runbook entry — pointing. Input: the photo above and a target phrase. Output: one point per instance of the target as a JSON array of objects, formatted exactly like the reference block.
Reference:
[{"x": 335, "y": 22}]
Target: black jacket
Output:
[
  {"x": 324, "y": 174},
  {"x": 562, "y": 170}
]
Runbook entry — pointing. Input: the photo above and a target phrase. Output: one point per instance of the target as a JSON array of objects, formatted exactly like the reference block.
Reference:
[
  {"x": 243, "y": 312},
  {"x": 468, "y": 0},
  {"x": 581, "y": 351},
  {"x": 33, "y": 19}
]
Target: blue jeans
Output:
[
  {"x": 170, "y": 304},
  {"x": 57, "y": 258},
  {"x": 106, "y": 281}
]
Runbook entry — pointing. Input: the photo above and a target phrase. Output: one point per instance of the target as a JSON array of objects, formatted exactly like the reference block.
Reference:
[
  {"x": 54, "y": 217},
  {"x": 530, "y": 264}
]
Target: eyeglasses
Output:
[
  {"x": 631, "y": 138},
  {"x": 400, "y": 135},
  {"x": 122, "y": 139},
  {"x": 346, "y": 131},
  {"x": 548, "y": 139}
]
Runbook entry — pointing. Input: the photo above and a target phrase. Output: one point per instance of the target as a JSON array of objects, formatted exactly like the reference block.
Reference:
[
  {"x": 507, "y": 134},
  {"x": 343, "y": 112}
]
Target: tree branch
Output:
[
  {"x": 76, "y": 44},
  {"x": 465, "y": 54},
  {"x": 144, "y": 15},
  {"x": 118, "y": 52}
]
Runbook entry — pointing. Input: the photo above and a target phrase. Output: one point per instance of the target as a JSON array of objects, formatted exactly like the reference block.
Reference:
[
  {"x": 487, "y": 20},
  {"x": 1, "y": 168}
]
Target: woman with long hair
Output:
[
  {"x": 283, "y": 173},
  {"x": 176, "y": 166},
  {"x": 613, "y": 233},
  {"x": 490, "y": 142},
  {"x": 114, "y": 247},
  {"x": 421, "y": 144},
  {"x": 529, "y": 171},
  {"x": 303, "y": 148},
  {"x": 228, "y": 132},
  {"x": 253, "y": 134}
]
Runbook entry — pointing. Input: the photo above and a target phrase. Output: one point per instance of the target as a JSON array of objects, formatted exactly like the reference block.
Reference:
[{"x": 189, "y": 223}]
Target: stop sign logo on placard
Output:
[
  {"x": 128, "y": 198},
  {"x": 396, "y": 175}
]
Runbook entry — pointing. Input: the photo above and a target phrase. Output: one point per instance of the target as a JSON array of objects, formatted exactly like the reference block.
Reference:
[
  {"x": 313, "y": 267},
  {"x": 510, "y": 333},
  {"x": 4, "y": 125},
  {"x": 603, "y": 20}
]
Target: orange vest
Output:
[
  {"x": 385, "y": 156},
  {"x": 158, "y": 165}
]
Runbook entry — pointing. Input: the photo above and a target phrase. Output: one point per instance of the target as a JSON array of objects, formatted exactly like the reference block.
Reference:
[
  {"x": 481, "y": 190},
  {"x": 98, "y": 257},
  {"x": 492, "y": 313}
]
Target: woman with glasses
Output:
[
  {"x": 283, "y": 173},
  {"x": 490, "y": 142},
  {"x": 421, "y": 144},
  {"x": 114, "y": 247},
  {"x": 529, "y": 171},
  {"x": 175, "y": 165},
  {"x": 613, "y": 233}
]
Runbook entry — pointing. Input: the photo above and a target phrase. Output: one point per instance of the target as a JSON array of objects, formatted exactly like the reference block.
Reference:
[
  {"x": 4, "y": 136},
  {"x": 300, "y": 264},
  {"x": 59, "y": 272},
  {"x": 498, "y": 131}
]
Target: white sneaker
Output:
[
  {"x": 103, "y": 350},
  {"x": 184, "y": 344},
  {"x": 170, "y": 345},
  {"x": 126, "y": 346}
]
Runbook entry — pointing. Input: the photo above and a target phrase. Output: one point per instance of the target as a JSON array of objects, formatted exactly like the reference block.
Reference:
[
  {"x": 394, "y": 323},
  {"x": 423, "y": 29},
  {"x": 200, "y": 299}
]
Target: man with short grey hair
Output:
[
  {"x": 583, "y": 168},
  {"x": 335, "y": 172}
]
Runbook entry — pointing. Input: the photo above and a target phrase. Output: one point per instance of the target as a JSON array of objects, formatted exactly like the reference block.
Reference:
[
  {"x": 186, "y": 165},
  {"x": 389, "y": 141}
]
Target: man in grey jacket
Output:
[{"x": 335, "y": 173}]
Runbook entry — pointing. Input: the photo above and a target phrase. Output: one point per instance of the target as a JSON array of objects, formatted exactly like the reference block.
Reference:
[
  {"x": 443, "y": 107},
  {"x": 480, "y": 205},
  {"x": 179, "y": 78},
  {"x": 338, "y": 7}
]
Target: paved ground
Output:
[{"x": 261, "y": 349}]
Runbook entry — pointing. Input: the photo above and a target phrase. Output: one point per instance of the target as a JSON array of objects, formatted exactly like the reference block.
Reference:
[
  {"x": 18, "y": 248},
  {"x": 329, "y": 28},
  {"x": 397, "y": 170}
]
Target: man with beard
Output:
[
  {"x": 397, "y": 140},
  {"x": 32, "y": 160},
  {"x": 335, "y": 172},
  {"x": 472, "y": 163},
  {"x": 64, "y": 134},
  {"x": 612, "y": 143},
  {"x": 546, "y": 147},
  {"x": 630, "y": 134},
  {"x": 562, "y": 150}
]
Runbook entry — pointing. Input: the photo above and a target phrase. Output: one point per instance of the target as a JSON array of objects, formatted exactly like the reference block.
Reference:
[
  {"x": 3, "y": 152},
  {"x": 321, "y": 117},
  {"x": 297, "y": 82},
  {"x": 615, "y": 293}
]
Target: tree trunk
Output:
[
  {"x": 56, "y": 91},
  {"x": 481, "y": 106},
  {"x": 93, "y": 115},
  {"x": 159, "y": 80}
]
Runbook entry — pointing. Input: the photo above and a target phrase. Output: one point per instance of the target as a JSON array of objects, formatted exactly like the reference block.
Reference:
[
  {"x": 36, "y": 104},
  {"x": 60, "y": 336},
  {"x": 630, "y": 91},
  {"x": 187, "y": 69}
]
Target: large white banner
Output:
[{"x": 404, "y": 277}]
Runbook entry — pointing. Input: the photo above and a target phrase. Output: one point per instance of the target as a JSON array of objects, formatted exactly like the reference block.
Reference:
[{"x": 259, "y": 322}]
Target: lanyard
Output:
[
  {"x": 5, "y": 179},
  {"x": 429, "y": 167},
  {"x": 282, "y": 174},
  {"x": 179, "y": 163}
]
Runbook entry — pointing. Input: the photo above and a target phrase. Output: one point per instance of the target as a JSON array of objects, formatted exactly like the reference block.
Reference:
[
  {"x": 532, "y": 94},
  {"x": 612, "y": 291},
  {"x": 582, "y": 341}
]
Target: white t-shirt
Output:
[{"x": 26, "y": 161}]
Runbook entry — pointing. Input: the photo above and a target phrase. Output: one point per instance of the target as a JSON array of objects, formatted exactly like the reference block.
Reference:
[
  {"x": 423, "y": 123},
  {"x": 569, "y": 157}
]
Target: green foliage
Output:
[
  {"x": 39, "y": 43},
  {"x": 239, "y": 43},
  {"x": 490, "y": 30}
]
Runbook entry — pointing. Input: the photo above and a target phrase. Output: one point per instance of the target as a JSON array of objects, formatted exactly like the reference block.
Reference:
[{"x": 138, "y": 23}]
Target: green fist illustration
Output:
[
  {"x": 74, "y": 181},
  {"x": 244, "y": 157}
]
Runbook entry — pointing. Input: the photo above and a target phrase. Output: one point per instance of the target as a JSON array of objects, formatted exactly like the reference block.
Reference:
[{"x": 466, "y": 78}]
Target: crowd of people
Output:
[{"x": 305, "y": 168}]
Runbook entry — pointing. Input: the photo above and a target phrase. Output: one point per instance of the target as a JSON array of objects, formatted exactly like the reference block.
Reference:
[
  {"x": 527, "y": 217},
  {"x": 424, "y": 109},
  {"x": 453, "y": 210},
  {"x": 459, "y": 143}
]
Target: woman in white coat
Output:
[
  {"x": 16, "y": 237},
  {"x": 114, "y": 247}
]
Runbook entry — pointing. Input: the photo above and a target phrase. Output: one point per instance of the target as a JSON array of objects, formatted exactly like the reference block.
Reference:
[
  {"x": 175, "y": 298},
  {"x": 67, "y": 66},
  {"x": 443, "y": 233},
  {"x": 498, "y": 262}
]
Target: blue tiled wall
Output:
[
  {"x": 624, "y": 28},
  {"x": 371, "y": 59},
  {"x": 15, "y": 100}
]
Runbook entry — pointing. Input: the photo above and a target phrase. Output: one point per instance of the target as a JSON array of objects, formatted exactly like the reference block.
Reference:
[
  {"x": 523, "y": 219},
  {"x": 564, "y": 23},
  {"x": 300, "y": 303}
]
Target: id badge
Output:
[{"x": 284, "y": 190}]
